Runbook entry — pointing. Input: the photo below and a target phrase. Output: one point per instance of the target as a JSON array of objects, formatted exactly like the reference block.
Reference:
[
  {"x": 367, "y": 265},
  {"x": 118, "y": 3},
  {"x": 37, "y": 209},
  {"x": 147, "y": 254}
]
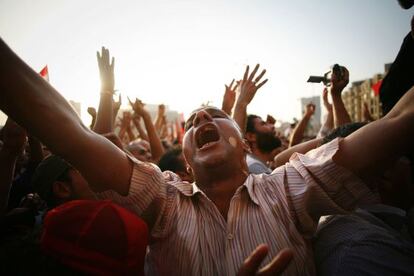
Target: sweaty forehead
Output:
[{"x": 210, "y": 110}]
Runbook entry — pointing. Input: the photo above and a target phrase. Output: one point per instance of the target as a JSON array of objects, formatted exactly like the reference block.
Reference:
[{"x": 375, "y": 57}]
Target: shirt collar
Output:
[
  {"x": 249, "y": 184},
  {"x": 191, "y": 189}
]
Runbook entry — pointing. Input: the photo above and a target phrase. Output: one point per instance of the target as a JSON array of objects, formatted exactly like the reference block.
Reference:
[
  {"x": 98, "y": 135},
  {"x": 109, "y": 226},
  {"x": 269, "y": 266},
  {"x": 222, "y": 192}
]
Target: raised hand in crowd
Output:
[
  {"x": 298, "y": 132},
  {"x": 163, "y": 132},
  {"x": 14, "y": 140},
  {"x": 125, "y": 127},
  {"x": 247, "y": 88},
  {"x": 340, "y": 79},
  {"x": 157, "y": 149},
  {"x": 161, "y": 125},
  {"x": 92, "y": 111},
  {"x": 136, "y": 119},
  {"x": 229, "y": 97},
  {"x": 106, "y": 167},
  {"x": 158, "y": 123},
  {"x": 106, "y": 70},
  {"x": 278, "y": 264},
  {"x": 328, "y": 125},
  {"x": 104, "y": 118}
]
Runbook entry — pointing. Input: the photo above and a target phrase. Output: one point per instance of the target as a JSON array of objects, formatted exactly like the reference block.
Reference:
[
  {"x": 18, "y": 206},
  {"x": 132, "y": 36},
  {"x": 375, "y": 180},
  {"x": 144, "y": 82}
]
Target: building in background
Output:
[{"x": 366, "y": 91}]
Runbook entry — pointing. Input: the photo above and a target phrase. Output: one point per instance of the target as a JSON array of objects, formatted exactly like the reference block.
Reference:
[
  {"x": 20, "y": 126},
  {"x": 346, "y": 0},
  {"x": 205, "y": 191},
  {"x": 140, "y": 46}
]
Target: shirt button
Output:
[{"x": 230, "y": 236}]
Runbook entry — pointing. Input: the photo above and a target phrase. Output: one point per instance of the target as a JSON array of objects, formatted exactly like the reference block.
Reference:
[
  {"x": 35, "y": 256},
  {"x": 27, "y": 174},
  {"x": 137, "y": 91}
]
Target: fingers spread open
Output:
[
  {"x": 253, "y": 73},
  {"x": 260, "y": 76},
  {"x": 231, "y": 84},
  {"x": 246, "y": 73},
  {"x": 262, "y": 83}
]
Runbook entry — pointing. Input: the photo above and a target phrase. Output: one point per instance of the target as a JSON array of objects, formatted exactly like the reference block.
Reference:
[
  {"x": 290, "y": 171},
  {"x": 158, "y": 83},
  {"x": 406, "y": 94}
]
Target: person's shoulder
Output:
[
  {"x": 256, "y": 166},
  {"x": 267, "y": 184}
]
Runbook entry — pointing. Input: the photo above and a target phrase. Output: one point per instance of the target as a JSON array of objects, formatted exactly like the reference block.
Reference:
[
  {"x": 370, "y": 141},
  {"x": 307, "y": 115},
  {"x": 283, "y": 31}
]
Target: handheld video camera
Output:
[{"x": 327, "y": 77}]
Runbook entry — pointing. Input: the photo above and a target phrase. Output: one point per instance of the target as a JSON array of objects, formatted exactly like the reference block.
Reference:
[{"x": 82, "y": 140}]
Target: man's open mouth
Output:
[{"x": 206, "y": 135}]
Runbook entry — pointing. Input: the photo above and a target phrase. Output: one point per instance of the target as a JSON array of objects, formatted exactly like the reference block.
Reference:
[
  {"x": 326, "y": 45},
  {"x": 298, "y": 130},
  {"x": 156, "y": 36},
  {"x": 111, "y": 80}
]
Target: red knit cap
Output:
[{"x": 96, "y": 237}]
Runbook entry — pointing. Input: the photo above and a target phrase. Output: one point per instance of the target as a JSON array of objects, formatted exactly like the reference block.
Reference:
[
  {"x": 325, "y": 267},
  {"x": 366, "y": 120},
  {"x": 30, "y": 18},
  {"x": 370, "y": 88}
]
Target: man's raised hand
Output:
[
  {"x": 310, "y": 109},
  {"x": 275, "y": 267},
  {"x": 138, "y": 107},
  {"x": 339, "y": 82},
  {"x": 249, "y": 85},
  {"x": 106, "y": 71},
  {"x": 229, "y": 97}
]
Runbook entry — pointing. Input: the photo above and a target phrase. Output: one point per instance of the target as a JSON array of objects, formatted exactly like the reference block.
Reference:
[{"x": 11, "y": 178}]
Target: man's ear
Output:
[
  {"x": 250, "y": 137},
  {"x": 61, "y": 189},
  {"x": 245, "y": 145}
]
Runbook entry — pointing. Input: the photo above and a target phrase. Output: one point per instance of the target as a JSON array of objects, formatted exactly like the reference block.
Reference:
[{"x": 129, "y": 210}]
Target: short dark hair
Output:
[
  {"x": 51, "y": 169},
  {"x": 343, "y": 131},
  {"x": 170, "y": 161},
  {"x": 250, "y": 123}
]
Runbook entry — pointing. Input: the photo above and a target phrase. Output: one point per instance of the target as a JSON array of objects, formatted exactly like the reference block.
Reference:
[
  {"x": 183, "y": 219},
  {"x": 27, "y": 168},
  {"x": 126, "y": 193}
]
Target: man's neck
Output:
[{"x": 220, "y": 190}]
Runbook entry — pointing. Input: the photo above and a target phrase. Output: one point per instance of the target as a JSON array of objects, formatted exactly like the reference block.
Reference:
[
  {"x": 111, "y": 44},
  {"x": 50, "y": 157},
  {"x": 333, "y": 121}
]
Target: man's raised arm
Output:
[
  {"x": 371, "y": 149},
  {"x": 42, "y": 111}
]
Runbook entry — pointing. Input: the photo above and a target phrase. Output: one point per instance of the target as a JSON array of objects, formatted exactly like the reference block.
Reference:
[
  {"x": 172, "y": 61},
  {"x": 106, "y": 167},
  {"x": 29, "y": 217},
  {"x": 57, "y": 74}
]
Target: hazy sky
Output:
[{"x": 181, "y": 53}]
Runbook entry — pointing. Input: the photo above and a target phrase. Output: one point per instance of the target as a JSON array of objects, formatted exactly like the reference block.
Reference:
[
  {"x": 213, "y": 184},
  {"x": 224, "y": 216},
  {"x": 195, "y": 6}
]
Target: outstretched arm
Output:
[
  {"x": 157, "y": 149},
  {"x": 247, "y": 88},
  {"x": 341, "y": 116},
  {"x": 104, "y": 119},
  {"x": 299, "y": 130},
  {"x": 371, "y": 149},
  {"x": 158, "y": 120},
  {"x": 136, "y": 119},
  {"x": 92, "y": 112},
  {"x": 283, "y": 157},
  {"x": 328, "y": 125},
  {"x": 35, "y": 105}
]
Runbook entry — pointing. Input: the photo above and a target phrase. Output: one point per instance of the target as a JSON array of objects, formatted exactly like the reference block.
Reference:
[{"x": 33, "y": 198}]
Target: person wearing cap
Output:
[
  {"x": 210, "y": 227},
  {"x": 95, "y": 238},
  {"x": 80, "y": 237},
  {"x": 57, "y": 182}
]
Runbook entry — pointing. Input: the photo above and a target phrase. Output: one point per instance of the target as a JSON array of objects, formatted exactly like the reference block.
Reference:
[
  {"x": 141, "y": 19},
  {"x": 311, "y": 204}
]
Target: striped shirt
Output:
[{"x": 191, "y": 237}]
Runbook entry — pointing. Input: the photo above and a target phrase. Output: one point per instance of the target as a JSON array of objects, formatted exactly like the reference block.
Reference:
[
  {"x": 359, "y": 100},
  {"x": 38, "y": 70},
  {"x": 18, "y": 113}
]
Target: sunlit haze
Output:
[{"x": 181, "y": 53}]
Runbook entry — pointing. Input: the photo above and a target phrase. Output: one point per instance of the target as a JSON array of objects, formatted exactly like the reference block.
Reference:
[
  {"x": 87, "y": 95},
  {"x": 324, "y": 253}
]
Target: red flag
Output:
[
  {"x": 376, "y": 87},
  {"x": 45, "y": 73}
]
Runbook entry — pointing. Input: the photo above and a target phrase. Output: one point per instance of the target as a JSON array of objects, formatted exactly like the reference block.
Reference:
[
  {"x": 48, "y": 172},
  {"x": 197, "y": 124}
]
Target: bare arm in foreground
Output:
[{"x": 23, "y": 93}]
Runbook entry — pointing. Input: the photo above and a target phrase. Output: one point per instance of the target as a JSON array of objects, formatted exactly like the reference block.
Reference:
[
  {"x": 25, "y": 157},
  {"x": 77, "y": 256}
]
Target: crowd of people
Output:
[{"x": 223, "y": 193}]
